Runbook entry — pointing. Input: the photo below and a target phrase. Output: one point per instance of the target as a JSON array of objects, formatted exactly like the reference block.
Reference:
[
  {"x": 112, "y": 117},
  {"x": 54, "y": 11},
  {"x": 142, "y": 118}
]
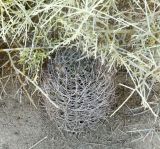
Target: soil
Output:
[{"x": 22, "y": 126}]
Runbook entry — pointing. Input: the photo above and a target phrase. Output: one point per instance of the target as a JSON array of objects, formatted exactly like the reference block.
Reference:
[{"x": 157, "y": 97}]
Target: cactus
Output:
[{"x": 81, "y": 86}]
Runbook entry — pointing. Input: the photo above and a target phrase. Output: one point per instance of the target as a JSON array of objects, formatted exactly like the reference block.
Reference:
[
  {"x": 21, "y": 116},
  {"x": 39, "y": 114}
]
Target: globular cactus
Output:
[{"x": 82, "y": 87}]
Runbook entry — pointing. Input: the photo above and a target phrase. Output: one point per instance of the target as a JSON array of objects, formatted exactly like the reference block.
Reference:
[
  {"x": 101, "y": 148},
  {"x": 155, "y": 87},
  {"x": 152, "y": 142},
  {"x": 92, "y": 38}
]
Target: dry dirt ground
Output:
[{"x": 24, "y": 127}]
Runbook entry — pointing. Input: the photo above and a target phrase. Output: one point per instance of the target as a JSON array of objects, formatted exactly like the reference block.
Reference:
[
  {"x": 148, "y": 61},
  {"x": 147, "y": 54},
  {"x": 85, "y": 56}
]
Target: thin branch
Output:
[{"x": 32, "y": 82}]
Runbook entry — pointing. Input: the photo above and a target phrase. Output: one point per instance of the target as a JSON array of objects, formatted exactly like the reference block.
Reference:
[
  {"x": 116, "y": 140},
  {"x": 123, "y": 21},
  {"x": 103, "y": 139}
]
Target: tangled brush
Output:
[{"x": 82, "y": 87}]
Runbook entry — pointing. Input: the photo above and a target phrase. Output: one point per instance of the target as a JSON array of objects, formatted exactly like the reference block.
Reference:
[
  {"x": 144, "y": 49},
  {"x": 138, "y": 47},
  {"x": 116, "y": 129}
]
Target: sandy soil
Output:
[{"x": 24, "y": 127}]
